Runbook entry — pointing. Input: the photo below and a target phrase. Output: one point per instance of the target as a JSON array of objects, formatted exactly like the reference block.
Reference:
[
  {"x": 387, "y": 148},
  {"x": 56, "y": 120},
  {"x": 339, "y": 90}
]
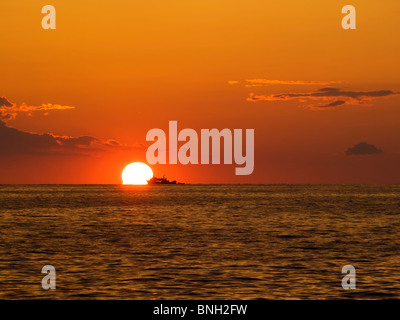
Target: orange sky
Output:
[{"x": 128, "y": 66}]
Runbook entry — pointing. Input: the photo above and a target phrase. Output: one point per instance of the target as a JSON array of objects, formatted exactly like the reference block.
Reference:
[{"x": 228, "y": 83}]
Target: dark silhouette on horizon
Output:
[{"x": 162, "y": 180}]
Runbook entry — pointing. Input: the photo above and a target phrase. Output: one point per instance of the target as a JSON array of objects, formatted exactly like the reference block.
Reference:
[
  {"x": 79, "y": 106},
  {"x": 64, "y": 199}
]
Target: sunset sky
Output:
[{"x": 76, "y": 102}]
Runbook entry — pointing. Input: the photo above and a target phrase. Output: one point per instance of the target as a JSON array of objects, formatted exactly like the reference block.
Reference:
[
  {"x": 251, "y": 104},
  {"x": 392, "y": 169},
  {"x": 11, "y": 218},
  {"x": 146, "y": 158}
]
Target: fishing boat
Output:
[{"x": 162, "y": 180}]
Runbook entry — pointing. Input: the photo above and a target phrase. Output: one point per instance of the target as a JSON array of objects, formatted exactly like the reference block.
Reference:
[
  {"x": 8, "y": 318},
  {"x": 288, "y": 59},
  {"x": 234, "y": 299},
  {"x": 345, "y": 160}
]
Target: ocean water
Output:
[{"x": 200, "y": 241}]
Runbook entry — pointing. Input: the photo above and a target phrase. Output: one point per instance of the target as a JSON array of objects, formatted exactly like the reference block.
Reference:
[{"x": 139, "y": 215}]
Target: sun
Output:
[{"x": 136, "y": 173}]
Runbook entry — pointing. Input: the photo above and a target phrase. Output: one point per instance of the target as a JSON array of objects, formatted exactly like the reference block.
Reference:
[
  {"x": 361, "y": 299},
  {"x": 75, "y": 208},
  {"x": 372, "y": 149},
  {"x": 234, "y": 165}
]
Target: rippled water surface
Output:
[{"x": 199, "y": 241}]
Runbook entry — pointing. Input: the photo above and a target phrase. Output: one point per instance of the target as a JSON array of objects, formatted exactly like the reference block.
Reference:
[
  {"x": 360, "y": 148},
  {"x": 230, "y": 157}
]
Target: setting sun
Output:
[{"x": 136, "y": 173}]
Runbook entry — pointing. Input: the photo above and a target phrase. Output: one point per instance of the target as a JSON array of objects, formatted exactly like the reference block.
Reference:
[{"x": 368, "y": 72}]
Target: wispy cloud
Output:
[
  {"x": 267, "y": 82},
  {"x": 10, "y": 110}
]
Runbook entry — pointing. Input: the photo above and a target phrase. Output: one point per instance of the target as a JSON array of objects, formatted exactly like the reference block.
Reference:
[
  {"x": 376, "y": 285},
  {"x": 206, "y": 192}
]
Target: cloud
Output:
[
  {"x": 327, "y": 95},
  {"x": 266, "y": 82},
  {"x": 44, "y": 107},
  {"x": 323, "y": 93},
  {"x": 4, "y": 102},
  {"x": 329, "y": 105},
  {"x": 363, "y": 148},
  {"x": 9, "y": 111},
  {"x": 17, "y": 142}
]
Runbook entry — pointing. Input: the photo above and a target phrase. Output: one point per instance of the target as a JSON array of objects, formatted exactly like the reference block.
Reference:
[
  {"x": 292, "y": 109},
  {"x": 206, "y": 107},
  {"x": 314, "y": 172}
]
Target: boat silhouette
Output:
[{"x": 162, "y": 180}]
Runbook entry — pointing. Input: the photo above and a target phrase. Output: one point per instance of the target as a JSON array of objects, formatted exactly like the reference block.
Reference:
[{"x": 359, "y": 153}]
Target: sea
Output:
[{"x": 183, "y": 242}]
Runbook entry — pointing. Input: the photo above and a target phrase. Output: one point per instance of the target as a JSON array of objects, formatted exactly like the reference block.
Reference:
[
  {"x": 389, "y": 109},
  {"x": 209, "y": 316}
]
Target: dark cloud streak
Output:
[
  {"x": 17, "y": 142},
  {"x": 324, "y": 93},
  {"x": 328, "y": 97}
]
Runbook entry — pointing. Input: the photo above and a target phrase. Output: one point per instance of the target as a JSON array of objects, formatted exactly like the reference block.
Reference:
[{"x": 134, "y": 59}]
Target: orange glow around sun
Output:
[{"x": 136, "y": 173}]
